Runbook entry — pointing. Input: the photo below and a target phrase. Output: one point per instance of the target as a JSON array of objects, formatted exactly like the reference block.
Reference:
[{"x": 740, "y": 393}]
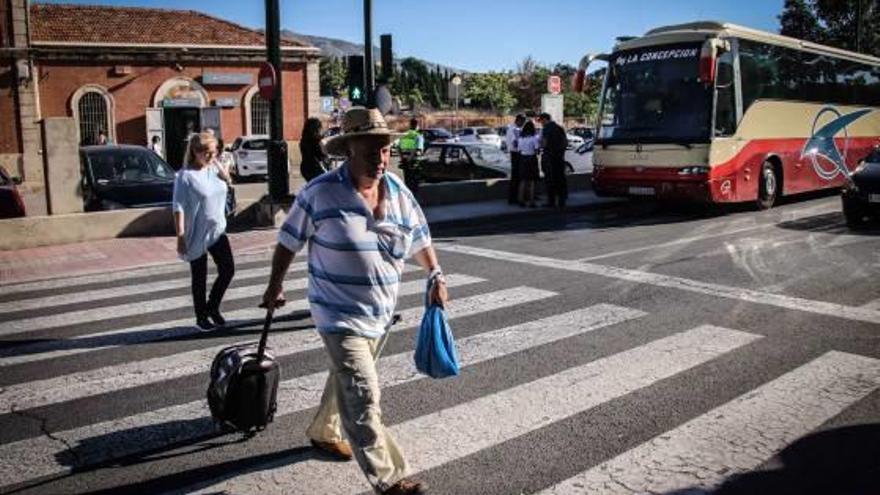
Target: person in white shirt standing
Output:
[
  {"x": 529, "y": 145},
  {"x": 156, "y": 146},
  {"x": 511, "y": 137}
]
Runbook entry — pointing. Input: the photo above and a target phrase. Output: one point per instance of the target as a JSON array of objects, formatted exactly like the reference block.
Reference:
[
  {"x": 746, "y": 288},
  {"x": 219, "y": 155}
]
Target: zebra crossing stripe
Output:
[
  {"x": 735, "y": 437},
  {"x": 173, "y": 268},
  {"x": 641, "y": 277},
  {"x": 128, "y": 290},
  {"x": 13, "y": 327},
  {"x": 33, "y": 458},
  {"x": 449, "y": 434},
  {"x": 152, "y": 332},
  {"x": 131, "y": 374}
]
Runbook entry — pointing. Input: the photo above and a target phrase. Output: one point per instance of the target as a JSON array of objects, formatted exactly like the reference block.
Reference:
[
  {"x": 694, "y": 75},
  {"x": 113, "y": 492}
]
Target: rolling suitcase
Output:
[{"x": 244, "y": 385}]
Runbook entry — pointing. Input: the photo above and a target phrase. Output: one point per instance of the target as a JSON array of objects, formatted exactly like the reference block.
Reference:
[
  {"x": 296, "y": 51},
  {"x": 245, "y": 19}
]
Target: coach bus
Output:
[{"x": 722, "y": 113}]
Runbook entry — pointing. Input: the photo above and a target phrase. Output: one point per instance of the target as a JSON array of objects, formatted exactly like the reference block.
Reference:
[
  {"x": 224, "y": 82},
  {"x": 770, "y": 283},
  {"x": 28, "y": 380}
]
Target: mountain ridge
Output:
[{"x": 333, "y": 47}]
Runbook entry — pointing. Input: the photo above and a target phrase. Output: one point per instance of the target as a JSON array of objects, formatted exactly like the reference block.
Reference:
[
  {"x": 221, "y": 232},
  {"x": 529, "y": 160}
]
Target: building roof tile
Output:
[{"x": 67, "y": 23}]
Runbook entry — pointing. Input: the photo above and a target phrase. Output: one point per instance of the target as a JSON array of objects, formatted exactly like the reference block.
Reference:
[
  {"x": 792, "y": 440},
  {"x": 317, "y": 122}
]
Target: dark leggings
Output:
[{"x": 222, "y": 255}]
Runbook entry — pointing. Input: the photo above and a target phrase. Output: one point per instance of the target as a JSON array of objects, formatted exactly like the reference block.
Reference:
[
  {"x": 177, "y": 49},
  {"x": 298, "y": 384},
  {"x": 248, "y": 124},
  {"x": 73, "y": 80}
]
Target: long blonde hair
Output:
[{"x": 198, "y": 142}]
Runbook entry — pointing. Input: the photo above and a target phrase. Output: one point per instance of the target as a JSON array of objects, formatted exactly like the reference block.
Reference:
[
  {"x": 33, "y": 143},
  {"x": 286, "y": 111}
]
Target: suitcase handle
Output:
[{"x": 261, "y": 350}]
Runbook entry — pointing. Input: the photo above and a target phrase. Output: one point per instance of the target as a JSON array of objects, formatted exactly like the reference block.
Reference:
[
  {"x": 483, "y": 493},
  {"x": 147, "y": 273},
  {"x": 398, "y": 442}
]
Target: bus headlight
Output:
[{"x": 693, "y": 171}]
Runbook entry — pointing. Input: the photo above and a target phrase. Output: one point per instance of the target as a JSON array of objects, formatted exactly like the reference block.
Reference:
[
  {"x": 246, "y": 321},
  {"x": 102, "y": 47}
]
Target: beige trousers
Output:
[{"x": 350, "y": 403}]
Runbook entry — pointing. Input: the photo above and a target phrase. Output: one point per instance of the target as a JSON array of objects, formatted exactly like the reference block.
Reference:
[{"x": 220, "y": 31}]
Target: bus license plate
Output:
[
  {"x": 874, "y": 198},
  {"x": 641, "y": 191}
]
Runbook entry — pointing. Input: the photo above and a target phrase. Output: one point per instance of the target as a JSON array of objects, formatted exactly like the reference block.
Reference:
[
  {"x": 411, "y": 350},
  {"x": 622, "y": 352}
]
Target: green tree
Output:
[
  {"x": 834, "y": 22},
  {"x": 490, "y": 90},
  {"x": 333, "y": 74}
]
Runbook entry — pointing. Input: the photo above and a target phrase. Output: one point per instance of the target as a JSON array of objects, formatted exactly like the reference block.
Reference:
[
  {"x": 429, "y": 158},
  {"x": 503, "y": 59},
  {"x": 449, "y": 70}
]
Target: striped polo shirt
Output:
[{"x": 355, "y": 260}]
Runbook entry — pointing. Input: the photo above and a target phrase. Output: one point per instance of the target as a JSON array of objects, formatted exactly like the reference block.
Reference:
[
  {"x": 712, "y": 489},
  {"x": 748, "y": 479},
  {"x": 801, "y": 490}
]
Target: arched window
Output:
[
  {"x": 93, "y": 115},
  {"x": 259, "y": 115},
  {"x": 93, "y": 108}
]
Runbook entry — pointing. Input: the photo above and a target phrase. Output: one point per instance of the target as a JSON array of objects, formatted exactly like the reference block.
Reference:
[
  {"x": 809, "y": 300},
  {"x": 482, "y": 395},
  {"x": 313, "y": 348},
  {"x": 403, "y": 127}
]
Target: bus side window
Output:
[{"x": 725, "y": 110}]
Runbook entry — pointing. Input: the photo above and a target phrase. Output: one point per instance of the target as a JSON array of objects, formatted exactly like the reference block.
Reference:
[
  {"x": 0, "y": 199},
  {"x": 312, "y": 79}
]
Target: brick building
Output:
[{"x": 135, "y": 73}]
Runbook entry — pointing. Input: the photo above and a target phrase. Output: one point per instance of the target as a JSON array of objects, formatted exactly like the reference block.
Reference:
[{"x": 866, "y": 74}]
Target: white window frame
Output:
[
  {"x": 252, "y": 92},
  {"x": 110, "y": 125}
]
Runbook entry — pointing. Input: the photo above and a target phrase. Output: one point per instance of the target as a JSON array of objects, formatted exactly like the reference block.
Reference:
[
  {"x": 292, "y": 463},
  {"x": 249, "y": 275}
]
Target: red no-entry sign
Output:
[
  {"x": 554, "y": 85},
  {"x": 266, "y": 81}
]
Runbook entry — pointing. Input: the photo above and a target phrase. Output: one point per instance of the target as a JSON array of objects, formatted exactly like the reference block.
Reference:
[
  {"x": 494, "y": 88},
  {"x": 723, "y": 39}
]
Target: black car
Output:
[
  {"x": 445, "y": 162},
  {"x": 124, "y": 176},
  {"x": 437, "y": 135},
  {"x": 861, "y": 194}
]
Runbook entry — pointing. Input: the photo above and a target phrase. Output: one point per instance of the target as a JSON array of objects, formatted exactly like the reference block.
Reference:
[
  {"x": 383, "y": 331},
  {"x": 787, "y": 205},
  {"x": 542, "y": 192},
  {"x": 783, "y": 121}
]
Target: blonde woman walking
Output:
[{"x": 199, "y": 201}]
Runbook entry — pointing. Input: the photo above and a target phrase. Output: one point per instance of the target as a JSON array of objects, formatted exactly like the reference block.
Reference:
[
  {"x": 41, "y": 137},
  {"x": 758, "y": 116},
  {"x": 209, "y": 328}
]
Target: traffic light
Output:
[
  {"x": 356, "y": 91},
  {"x": 387, "y": 57}
]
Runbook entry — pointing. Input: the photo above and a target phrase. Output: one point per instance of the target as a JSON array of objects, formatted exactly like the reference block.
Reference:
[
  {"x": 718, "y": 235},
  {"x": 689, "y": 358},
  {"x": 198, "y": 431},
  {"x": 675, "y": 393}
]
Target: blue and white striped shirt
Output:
[{"x": 355, "y": 260}]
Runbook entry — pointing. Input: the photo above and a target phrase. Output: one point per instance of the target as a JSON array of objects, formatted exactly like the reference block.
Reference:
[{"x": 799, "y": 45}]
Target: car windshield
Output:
[
  {"x": 256, "y": 144},
  {"x": 485, "y": 131},
  {"x": 488, "y": 156},
  {"x": 440, "y": 133},
  {"x": 128, "y": 166},
  {"x": 654, "y": 95}
]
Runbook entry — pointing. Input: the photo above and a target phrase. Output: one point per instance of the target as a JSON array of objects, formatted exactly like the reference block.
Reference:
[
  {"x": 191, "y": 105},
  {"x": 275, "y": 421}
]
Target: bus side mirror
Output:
[
  {"x": 16, "y": 181},
  {"x": 580, "y": 82},
  {"x": 711, "y": 49}
]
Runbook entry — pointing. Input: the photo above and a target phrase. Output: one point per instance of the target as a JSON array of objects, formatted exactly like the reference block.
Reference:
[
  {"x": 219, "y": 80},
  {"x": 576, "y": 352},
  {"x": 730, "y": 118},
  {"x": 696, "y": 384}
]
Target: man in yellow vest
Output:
[{"x": 411, "y": 145}]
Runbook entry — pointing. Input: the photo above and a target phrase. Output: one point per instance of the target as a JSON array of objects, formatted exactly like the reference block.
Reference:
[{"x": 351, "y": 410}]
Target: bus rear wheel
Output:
[{"x": 768, "y": 187}]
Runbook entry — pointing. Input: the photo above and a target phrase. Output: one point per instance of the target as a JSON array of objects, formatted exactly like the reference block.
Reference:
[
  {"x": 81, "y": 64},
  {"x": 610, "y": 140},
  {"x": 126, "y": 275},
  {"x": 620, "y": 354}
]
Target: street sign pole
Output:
[
  {"x": 279, "y": 188},
  {"x": 369, "y": 80}
]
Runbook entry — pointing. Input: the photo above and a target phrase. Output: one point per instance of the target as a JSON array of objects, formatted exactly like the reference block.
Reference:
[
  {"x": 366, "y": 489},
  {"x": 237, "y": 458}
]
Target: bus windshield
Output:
[{"x": 653, "y": 95}]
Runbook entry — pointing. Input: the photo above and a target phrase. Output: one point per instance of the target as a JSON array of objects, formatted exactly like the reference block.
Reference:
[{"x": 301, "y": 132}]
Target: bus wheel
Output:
[{"x": 768, "y": 187}]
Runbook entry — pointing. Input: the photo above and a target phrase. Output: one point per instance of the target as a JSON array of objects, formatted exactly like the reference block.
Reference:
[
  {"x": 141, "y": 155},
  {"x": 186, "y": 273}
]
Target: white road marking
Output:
[
  {"x": 152, "y": 332},
  {"x": 12, "y": 327},
  {"x": 178, "y": 268},
  {"x": 131, "y": 374},
  {"x": 735, "y": 437},
  {"x": 128, "y": 290},
  {"x": 872, "y": 305},
  {"x": 37, "y": 457},
  {"x": 637, "y": 276},
  {"x": 449, "y": 434}
]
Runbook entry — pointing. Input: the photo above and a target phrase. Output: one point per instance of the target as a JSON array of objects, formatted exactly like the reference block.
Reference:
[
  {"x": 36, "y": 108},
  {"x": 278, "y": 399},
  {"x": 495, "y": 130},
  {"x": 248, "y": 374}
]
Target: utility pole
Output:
[
  {"x": 369, "y": 67},
  {"x": 279, "y": 187},
  {"x": 858, "y": 25}
]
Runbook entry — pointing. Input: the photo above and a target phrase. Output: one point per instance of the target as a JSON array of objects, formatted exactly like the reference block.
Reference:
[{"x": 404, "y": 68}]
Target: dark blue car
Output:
[
  {"x": 861, "y": 194},
  {"x": 124, "y": 176}
]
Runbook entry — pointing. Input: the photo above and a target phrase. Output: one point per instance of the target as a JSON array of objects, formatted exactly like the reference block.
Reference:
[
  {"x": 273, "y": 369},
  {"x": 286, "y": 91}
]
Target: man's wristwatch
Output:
[{"x": 437, "y": 276}]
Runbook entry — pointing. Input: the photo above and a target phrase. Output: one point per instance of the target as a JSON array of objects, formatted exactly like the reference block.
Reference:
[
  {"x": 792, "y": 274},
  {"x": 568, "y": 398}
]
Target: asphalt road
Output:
[{"x": 633, "y": 349}]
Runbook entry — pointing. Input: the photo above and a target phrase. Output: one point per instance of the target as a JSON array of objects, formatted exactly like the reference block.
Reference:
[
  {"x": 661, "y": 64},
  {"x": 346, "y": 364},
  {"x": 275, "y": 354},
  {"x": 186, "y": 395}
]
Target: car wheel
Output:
[
  {"x": 853, "y": 212},
  {"x": 768, "y": 187}
]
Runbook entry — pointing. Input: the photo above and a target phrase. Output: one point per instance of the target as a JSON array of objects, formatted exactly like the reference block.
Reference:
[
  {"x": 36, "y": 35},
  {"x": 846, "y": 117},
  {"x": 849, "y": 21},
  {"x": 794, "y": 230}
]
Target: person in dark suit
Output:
[{"x": 554, "y": 142}]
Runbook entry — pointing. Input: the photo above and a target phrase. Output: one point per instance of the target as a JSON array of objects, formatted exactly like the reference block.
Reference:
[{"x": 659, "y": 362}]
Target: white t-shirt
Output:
[
  {"x": 201, "y": 196},
  {"x": 529, "y": 145},
  {"x": 511, "y": 137}
]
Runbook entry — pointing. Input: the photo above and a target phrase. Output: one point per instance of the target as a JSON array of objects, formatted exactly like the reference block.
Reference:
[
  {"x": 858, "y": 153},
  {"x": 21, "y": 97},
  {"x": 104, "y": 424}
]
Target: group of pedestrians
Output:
[
  {"x": 360, "y": 222},
  {"x": 526, "y": 145}
]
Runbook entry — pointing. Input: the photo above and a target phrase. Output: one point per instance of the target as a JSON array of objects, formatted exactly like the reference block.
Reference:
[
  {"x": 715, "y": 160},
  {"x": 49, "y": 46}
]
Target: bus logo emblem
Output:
[{"x": 821, "y": 149}]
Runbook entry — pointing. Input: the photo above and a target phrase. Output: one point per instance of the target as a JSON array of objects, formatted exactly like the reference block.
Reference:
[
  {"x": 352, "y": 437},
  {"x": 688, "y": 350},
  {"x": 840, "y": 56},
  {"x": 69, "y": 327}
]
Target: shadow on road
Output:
[
  {"x": 842, "y": 461},
  {"x": 212, "y": 474},
  {"x": 829, "y": 223},
  {"x": 170, "y": 334}
]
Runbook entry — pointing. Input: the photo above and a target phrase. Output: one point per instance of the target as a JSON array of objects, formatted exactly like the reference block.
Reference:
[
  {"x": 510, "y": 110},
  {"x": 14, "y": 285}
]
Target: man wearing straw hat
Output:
[{"x": 360, "y": 223}]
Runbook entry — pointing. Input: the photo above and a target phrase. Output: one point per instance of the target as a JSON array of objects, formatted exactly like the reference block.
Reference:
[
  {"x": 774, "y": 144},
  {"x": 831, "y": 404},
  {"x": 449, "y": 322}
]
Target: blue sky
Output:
[{"x": 483, "y": 35}]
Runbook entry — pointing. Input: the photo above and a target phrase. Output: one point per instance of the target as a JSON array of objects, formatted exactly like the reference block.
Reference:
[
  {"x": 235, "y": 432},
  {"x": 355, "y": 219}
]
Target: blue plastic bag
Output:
[{"x": 435, "y": 347}]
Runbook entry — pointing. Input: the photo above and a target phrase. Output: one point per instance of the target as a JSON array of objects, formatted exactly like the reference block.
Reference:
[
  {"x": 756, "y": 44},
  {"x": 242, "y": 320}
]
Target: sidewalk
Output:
[{"x": 67, "y": 260}]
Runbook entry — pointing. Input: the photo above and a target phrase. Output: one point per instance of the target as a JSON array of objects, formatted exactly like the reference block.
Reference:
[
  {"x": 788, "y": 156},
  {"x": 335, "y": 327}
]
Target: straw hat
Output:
[{"x": 359, "y": 121}]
